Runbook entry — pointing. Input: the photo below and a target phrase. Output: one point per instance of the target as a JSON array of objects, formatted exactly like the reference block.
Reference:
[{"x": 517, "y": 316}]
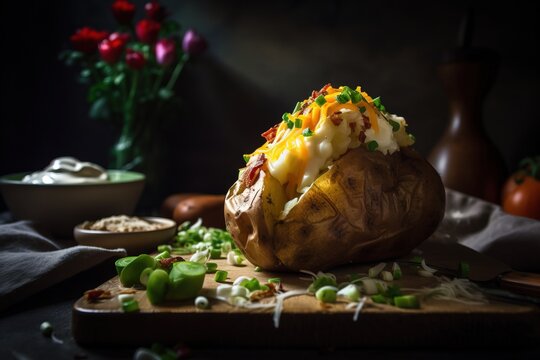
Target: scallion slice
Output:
[
  {"x": 350, "y": 292},
  {"x": 46, "y": 328},
  {"x": 274, "y": 280},
  {"x": 298, "y": 123},
  {"x": 320, "y": 100},
  {"x": 130, "y": 306},
  {"x": 211, "y": 267},
  {"x": 297, "y": 107},
  {"x": 379, "y": 299},
  {"x": 407, "y": 302},
  {"x": 327, "y": 294},
  {"x": 201, "y": 303},
  {"x": 387, "y": 276},
  {"x": 285, "y": 117},
  {"x": 246, "y": 158},
  {"x": 290, "y": 124},
  {"x": 375, "y": 271},
  {"x": 307, "y": 132},
  {"x": 372, "y": 145},
  {"x": 362, "y": 109},
  {"x": 355, "y": 97},
  {"x": 215, "y": 253},
  {"x": 395, "y": 125},
  {"x": 342, "y": 98},
  {"x": 221, "y": 276}
]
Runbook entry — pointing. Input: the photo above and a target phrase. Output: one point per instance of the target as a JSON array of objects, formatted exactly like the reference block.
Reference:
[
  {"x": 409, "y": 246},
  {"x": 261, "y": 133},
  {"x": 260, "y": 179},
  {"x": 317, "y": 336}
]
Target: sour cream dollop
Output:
[{"x": 68, "y": 170}]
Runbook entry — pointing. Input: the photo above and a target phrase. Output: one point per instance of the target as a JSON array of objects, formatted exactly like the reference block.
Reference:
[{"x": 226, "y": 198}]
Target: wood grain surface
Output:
[{"x": 305, "y": 322}]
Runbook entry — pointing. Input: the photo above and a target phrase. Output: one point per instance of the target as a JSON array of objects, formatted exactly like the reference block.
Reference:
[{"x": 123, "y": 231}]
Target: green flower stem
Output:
[
  {"x": 124, "y": 145},
  {"x": 176, "y": 72}
]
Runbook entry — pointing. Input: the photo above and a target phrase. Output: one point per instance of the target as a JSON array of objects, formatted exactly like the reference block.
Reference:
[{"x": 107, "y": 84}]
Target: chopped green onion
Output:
[
  {"x": 164, "y": 247},
  {"x": 257, "y": 269},
  {"x": 350, "y": 292},
  {"x": 130, "y": 306},
  {"x": 370, "y": 286},
  {"x": 298, "y": 123},
  {"x": 46, "y": 328},
  {"x": 427, "y": 268},
  {"x": 125, "y": 297},
  {"x": 241, "y": 280},
  {"x": 413, "y": 138},
  {"x": 121, "y": 263},
  {"x": 320, "y": 100},
  {"x": 417, "y": 260},
  {"x": 246, "y": 158},
  {"x": 392, "y": 291},
  {"x": 201, "y": 303},
  {"x": 185, "y": 280},
  {"x": 327, "y": 294},
  {"x": 274, "y": 280},
  {"x": 379, "y": 299},
  {"x": 297, "y": 107},
  {"x": 285, "y": 117},
  {"x": 387, "y": 276},
  {"x": 395, "y": 125},
  {"x": 234, "y": 259},
  {"x": 131, "y": 274},
  {"x": 321, "y": 281},
  {"x": 156, "y": 288},
  {"x": 375, "y": 271},
  {"x": 264, "y": 288},
  {"x": 163, "y": 255},
  {"x": 221, "y": 276},
  {"x": 407, "y": 302},
  {"x": 464, "y": 270},
  {"x": 355, "y": 97},
  {"x": 215, "y": 253},
  {"x": 307, "y": 132},
  {"x": 145, "y": 275},
  {"x": 211, "y": 267},
  {"x": 396, "y": 271},
  {"x": 199, "y": 257},
  {"x": 377, "y": 103},
  {"x": 372, "y": 145},
  {"x": 253, "y": 285},
  {"x": 290, "y": 124},
  {"x": 238, "y": 290},
  {"x": 342, "y": 98},
  {"x": 363, "y": 109}
]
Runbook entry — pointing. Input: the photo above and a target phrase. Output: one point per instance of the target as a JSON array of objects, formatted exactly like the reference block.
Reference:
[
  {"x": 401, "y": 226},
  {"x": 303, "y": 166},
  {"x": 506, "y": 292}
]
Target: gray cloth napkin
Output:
[
  {"x": 484, "y": 227},
  {"x": 30, "y": 262}
]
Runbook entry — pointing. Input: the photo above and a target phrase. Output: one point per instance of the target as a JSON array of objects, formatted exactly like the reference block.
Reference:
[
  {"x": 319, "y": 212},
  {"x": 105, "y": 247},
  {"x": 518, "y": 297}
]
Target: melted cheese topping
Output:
[{"x": 296, "y": 159}]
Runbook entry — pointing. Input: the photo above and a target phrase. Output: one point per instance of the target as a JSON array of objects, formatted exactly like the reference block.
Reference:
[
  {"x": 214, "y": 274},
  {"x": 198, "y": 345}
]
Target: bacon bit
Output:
[
  {"x": 335, "y": 118},
  {"x": 167, "y": 262},
  {"x": 270, "y": 134},
  {"x": 252, "y": 172},
  {"x": 362, "y": 136},
  {"x": 316, "y": 94},
  {"x": 367, "y": 123},
  {"x": 352, "y": 125},
  {"x": 97, "y": 294},
  {"x": 305, "y": 104}
]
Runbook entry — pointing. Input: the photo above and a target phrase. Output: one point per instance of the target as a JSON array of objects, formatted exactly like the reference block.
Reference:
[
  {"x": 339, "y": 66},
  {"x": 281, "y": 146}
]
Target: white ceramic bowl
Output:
[
  {"x": 135, "y": 242},
  {"x": 59, "y": 207}
]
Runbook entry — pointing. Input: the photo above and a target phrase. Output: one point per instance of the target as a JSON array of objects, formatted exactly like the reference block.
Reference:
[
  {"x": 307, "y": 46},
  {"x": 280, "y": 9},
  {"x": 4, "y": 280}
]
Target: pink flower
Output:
[
  {"x": 193, "y": 43},
  {"x": 165, "y": 52},
  {"x": 148, "y": 31},
  {"x": 134, "y": 59},
  {"x": 123, "y": 11}
]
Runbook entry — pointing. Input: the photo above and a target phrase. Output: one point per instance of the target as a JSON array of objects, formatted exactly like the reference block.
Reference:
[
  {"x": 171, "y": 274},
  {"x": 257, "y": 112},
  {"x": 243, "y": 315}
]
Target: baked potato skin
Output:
[{"x": 367, "y": 207}]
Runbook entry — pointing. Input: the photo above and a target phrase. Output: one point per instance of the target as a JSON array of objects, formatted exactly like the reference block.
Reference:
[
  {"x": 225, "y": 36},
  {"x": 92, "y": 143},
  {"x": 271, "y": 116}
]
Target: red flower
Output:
[
  {"x": 165, "y": 52},
  {"x": 193, "y": 43},
  {"x": 86, "y": 40},
  {"x": 111, "y": 50},
  {"x": 148, "y": 30},
  {"x": 124, "y": 37},
  {"x": 154, "y": 11},
  {"x": 123, "y": 11},
  {"x": 135, "y": 59}
]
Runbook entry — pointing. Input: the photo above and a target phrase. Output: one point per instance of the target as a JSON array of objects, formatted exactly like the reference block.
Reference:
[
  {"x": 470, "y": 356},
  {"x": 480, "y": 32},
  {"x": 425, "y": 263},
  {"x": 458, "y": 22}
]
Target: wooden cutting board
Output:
[{"x": 304, "y": 321}]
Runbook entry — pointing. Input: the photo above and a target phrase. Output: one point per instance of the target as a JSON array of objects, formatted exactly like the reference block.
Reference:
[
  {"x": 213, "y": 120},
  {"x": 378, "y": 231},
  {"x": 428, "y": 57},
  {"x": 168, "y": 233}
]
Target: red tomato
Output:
[{"x": 522, "y": 197}]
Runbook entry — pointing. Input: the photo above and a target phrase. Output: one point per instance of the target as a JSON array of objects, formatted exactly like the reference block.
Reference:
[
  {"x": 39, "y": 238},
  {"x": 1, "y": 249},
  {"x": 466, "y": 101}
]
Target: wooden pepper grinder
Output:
[{"x": 465, "y": 157}]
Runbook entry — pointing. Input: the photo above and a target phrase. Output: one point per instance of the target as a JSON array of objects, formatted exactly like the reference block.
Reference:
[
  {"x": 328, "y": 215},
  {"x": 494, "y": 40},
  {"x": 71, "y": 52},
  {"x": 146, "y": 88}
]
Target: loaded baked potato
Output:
[{"x": 336, "y": 182}]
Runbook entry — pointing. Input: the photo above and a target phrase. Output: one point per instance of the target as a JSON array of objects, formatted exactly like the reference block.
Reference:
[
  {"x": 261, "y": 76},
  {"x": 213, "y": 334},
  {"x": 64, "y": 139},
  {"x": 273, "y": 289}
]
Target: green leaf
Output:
[
  {"x": 119, "y": 79},
  {"x": 165, "y": 93},
  {"x": 100, "y": 109}
]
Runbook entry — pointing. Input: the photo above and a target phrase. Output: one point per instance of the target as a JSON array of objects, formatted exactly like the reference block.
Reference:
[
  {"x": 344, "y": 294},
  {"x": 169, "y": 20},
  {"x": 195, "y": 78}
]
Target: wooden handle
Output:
[{"x": 521, "y": 283}]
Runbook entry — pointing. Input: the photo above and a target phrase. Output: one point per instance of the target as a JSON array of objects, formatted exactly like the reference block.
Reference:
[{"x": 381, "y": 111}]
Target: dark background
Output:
[{"x": 262, "y": 58}]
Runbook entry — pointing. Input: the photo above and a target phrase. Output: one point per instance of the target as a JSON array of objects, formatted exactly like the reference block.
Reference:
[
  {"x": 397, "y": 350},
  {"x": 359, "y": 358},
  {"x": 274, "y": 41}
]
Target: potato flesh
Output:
[{"x": 366, "y": 207}]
